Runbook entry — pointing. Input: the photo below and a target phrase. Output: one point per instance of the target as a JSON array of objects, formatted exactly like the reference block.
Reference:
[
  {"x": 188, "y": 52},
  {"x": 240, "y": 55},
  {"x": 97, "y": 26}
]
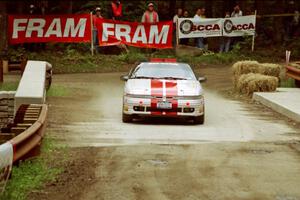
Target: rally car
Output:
[{"x": 163, "y": 89}]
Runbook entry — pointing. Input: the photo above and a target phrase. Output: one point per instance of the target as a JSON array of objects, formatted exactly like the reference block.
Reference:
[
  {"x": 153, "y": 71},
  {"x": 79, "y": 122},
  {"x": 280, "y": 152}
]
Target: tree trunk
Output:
[
  {"x": 279, "y": 7},
  {"x": 182, "y": 5},
  {"x": 208, "y": 8},
  {"x": 172, "y": 6},
  {"x": 3, "y": 26}
]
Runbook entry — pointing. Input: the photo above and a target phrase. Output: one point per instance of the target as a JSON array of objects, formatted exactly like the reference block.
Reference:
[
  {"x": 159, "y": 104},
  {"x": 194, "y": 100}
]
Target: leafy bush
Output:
[{"x": 132, "y": 57}]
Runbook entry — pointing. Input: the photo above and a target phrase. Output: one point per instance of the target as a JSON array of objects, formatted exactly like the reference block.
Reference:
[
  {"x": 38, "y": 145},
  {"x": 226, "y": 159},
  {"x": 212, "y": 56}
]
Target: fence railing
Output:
[{"x": 27, "y": 130}]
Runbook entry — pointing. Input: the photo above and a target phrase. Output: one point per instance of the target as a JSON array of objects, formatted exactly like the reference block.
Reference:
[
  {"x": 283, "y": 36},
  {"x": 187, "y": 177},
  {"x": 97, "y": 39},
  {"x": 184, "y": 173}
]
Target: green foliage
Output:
[
  {"x": 77, "y": 58},
  {"x": 288, "y": 83},
  {"x": 218, "y": 58},
  {"x": 132, "y": 57},
  {"x": 58, "y": 91},
  {"x": 8, "y": 86},
  {"x": 14, "y": 54},
  {"x": 31, "y": 174}
]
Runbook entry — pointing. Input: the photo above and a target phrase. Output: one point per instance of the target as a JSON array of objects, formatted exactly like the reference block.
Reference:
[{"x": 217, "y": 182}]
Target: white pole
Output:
[
  {"x": 253, "y": 37},
  {"x": 92, "y": 39},
  {"x": 287, "y": 57},
  {"x": 177, "y": 33}
]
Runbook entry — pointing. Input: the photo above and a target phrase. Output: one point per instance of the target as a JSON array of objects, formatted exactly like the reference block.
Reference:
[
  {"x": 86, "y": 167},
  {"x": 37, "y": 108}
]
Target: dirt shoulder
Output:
[
  {"x": 79, "y": 172},
  {"x": 205, "y": 171}
]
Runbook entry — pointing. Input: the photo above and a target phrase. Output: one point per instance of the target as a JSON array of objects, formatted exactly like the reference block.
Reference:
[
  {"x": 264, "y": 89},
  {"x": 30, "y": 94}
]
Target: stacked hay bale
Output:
[
  {"x": 252, "y": 76},
  {"x": 249, "y": 83}
]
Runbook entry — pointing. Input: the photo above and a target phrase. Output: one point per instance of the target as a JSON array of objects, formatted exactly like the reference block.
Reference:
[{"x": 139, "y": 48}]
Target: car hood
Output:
[{"x": 157, "y": 86}]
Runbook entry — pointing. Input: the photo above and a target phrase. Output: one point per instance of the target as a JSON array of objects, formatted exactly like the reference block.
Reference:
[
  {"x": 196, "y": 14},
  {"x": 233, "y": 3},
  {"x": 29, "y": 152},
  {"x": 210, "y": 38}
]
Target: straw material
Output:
[
  {"x": 295, "y": 64},
  {"x": 270, "y": 69},
  {"x": 246, "y": 67},
  {"x": 249, "y": 83}
]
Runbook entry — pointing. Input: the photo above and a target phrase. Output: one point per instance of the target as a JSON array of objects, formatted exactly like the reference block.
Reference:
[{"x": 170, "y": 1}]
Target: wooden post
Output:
[
  {"x": 177, "y": 33},
  {"x": 287, "y": 57},
  {"x": 253, "y": 37},
  {"x": 92, "y": 39},
  {"x": 1, "y": 71}
]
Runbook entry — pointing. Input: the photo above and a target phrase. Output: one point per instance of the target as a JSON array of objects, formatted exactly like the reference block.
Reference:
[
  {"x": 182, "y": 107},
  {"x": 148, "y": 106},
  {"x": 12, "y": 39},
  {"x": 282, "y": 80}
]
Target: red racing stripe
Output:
[
  {"x": 156, "y": 88},
  {"x": 171, "y": 88},
  {"x": 171, "y": 91},
  {"x": 156, "y": 91}
]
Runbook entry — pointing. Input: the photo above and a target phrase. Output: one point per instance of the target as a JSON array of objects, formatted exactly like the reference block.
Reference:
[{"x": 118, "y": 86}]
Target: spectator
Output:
[
  {"x": 33, "y": 46},
  {"x": 200, "y": 14},
  {"x": 185, "y": 41},
  {"x": 296, "y": 23},
  {"x": 236, "y": 11},
  {"x": 186, "y": 14},
  {"x": 225, "y": 41},
  {"x": 178, "y": 15},
  {"x": 175, "y": 20},
  {"x": 150, "y": 16},
  {"x": 116, "y": 10},
  {"x": 96, "y": 17},
  {"x": 32, "y": 9},
  {"x": 291, "y": 22}
]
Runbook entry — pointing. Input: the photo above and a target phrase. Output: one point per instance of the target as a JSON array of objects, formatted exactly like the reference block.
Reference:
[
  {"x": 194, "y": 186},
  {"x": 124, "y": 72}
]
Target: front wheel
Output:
[
  {"x": 127, "y": 118},
  {"x": 199, "y": 120}
]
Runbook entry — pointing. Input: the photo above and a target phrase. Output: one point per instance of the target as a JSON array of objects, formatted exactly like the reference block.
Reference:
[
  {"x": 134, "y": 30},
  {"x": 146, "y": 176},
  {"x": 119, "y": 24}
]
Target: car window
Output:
[{"x": 163, "y": 70}]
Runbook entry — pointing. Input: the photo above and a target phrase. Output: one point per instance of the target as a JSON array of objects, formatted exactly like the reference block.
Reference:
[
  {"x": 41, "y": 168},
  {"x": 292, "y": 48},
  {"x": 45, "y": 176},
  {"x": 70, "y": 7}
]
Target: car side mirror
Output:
[
  {"x": 202, "y": 79},
  {"x": 124, "y": 77}
]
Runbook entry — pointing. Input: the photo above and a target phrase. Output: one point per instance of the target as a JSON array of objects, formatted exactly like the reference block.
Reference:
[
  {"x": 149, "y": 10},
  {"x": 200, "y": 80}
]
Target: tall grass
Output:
[{"x": 32, "y": 174}]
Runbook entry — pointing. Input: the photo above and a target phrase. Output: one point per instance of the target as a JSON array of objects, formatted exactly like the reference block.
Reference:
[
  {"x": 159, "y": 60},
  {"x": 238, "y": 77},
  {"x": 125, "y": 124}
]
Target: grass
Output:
[
  {"x": 32, "y": 174},
  {"x": 288, "y": 83},
  {"x": 76, "y": 62},
  {"x": 76, "y": 58},
  {"x": 8, "y": 86},
  {"x": 58, "y": 91}
]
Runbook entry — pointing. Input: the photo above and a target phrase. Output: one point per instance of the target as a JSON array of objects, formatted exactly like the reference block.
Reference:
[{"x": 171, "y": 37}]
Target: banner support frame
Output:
[
  {"x": 177, "y": 33},
  {"x": 92, "y": 34},
  {"x": 253, "y": 37}
]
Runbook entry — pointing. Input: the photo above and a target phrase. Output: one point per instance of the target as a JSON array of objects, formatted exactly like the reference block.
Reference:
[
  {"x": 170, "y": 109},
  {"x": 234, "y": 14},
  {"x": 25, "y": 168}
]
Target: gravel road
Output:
[{"x": 243, "y": 151}]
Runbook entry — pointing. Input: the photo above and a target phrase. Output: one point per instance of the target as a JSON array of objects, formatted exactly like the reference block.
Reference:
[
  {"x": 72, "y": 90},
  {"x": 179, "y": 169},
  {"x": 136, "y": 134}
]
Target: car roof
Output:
[{"x": 165, "y": 63}]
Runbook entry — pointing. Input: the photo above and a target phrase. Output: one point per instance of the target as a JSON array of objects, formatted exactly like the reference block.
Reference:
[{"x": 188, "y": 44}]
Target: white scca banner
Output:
[
  {"x": 239, "y": 26},
  {"x": 6, "y": 155},
  {"x": 193, "y": 28}
]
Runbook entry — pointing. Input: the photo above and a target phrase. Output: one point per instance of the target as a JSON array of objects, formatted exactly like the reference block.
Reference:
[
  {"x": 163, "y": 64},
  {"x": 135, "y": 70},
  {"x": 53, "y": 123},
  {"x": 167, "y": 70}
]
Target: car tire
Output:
[
  {"x": 199, "y": 120},
  {"x": 127, "y": 118}
]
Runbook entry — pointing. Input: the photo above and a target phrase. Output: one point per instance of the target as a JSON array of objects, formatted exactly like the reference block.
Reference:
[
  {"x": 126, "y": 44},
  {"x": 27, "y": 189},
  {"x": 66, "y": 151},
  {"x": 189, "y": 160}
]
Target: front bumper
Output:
[{"x": 148, "y": 107}]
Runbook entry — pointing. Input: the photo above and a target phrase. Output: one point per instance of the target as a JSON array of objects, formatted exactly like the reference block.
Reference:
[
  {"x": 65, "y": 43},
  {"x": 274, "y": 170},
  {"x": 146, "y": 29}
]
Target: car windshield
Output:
[{"x": 177, "y": 71}]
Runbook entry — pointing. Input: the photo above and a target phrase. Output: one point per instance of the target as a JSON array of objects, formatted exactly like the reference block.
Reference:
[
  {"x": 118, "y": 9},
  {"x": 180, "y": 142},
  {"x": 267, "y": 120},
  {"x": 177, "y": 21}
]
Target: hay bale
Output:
[
  {"x": 295, "y": 64},
  {"x": 246, "y": 67},
  {"x": 243, "y": 67},
  {"x": 249, "y": 83},
  {"x": 270, "y": 69}
]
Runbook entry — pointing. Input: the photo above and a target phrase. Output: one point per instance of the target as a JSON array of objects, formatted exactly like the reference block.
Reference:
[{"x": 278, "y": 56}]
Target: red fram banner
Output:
[
  {"x": 145, "y": 35},
  {"x": 49, "y": 28}
]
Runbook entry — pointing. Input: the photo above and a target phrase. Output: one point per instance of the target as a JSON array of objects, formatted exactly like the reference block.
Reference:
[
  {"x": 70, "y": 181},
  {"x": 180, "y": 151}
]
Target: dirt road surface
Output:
[{"x": 243, "y": 151}]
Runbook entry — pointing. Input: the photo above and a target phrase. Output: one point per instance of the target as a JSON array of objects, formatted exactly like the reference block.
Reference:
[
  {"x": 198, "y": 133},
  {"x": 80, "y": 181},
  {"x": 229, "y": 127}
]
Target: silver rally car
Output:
[{"x": 163, "y": 89}]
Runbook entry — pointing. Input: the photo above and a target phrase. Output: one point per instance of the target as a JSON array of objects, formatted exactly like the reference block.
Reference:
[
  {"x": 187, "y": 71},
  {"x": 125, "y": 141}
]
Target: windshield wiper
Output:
[
  {"x": 172, "y": 78},
  {"x": 142, "y": 77}
]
